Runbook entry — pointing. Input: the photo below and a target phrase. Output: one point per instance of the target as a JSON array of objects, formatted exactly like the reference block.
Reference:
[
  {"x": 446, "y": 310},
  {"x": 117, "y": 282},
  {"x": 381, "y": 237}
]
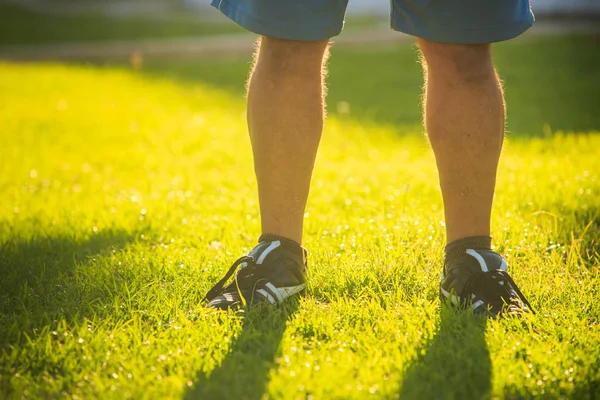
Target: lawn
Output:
[
  {"x": 22, "y": 26},
  {"x": 127, "y": 193}
]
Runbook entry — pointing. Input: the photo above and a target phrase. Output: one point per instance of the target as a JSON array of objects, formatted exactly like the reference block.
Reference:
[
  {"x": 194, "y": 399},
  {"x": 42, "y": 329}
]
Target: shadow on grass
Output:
[
  {"x": 454, "y": 364},
  {"x": 39, "y": 283},
  {"x": 244, "y": 373}
]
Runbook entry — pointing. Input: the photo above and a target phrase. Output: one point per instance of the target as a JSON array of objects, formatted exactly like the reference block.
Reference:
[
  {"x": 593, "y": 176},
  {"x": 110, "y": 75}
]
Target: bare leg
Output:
[
  {"x": 464, "y": 118},
  {"x": 285, "y": 119}
]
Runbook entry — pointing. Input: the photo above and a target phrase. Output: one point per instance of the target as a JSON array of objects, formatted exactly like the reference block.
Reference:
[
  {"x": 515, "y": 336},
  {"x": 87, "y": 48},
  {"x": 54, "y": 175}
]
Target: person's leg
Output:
[
  {"x": 464, "y": 118},
  {"x": 285, "y": 120}
]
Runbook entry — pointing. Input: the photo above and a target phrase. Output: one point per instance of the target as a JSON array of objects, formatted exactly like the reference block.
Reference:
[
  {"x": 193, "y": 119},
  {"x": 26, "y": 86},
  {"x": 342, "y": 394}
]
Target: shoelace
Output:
[
  {"x": 217, "y": 289},
  {"x": 495, "y": 277}
]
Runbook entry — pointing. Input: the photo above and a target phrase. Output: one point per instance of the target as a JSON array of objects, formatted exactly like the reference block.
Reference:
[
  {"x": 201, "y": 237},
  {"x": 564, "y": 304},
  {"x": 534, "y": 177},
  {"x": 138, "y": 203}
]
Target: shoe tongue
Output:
[{"x": 263, "y": 250}]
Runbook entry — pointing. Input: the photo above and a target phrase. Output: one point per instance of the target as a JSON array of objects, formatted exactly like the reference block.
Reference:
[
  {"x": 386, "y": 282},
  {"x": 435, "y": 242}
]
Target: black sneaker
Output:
[
  {"x": 479, "y": 280},
  {"x": 269, "y": 274}
]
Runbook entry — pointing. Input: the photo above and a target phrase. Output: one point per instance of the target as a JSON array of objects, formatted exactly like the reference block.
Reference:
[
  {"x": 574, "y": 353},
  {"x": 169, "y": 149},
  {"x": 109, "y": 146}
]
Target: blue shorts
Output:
[{"x": 449, "y": 21}]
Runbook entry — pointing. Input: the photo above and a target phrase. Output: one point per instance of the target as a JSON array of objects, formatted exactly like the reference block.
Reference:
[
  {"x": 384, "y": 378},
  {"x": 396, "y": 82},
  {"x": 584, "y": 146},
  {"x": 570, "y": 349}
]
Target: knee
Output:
[
  {"x": 460, "y": 63},
  {"x": 291, "y": 57}
]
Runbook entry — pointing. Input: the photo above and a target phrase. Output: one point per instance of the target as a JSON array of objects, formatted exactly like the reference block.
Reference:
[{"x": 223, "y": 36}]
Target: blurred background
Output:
[
  {"x": 189, "y": 41},
  {"x": 58, "y": 21}
]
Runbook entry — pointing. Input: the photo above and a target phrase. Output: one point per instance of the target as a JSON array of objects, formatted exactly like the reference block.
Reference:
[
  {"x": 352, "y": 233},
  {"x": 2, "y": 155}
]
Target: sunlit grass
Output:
[
  {"x": 125, "y": 196},
  {"x": 20, "y": 26}
]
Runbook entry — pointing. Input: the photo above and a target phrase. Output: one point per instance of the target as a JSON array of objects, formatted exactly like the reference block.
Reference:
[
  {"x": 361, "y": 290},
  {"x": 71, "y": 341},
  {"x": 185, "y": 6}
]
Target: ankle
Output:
[
  {"x": 286, "y": 243},
  {"x": 457, "y": 248}
]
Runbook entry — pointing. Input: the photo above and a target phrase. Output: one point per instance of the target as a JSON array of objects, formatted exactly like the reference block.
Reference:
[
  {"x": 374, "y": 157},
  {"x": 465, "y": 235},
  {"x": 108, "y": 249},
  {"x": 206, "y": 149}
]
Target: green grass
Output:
[
  {"x": 551, "y": 84},
  {"x": 127, "y": 194},
  {"x": 21, "y": 26}
]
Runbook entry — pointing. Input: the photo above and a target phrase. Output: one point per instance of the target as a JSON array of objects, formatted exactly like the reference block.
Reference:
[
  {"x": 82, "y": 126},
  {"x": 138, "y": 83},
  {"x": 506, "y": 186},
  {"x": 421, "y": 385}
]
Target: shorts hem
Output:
[
  {"x": 280, "y": 31},
  {"x": 475, "y": 36}
]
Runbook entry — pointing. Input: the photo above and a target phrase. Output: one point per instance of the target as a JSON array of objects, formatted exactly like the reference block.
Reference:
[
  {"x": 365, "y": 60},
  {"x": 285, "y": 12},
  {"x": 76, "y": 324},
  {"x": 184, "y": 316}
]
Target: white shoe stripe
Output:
[
  {"x": 477, "y": 304},
  {"x": 291, "y": 290},
  {"x": 456, "y": 301},
  {"x": 282, "y": 293},
  {"x": 274, "y": 290},
  {"x": 228, "y": 296},
  {"x": 453, "y": 298},
  {"x": 504, "y": 265},
  {"x": 477, "y": 256},
  {"x": 267, "y": 295},
  {"x": 266, "y": 252}
]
